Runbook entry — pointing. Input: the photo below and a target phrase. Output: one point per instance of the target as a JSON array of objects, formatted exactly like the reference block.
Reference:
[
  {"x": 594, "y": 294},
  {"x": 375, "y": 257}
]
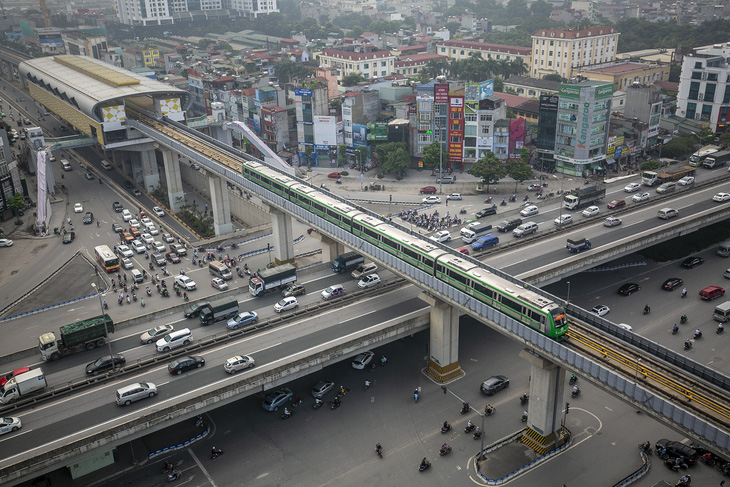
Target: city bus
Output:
[{"x": 106, "y": 258}]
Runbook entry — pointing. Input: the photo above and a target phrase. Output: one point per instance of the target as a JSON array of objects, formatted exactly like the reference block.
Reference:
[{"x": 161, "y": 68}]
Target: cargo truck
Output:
[
  {"x": 347, "y": 262},
  {"x": 578, "y": 245},
  {"x": 717, "y": 159},
  {"x": 272, "y": 279},
  {"x": 699, "y": 157},
  {"x": 193, "y": 309},
  {"x": 651, "y": 178},
  {"x": 217, "y": 310},
  {"x": 583, "y": 197},
  {"x": 80, "y": 335},
  {"x": 23, "y": 385}
]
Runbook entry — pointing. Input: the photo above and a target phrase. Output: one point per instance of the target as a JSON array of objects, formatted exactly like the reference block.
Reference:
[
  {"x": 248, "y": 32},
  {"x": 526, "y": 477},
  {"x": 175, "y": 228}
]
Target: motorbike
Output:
[
  {"x": 339, "y": 181},
  {"x": 149, "y": 292},
  {"x": 216, "y": 454},
  {"x": 469, "y": 428},
  {"x": 445, "y": 429},
  {"x": 687, "y": 345},
  {"x": 106, "y": 306},
  {"x": 163, "y": 283},
  {"x": 573, "y": 379},
  {"x": 129, "y": 301},
  {"x": 415, "y": 396},
  {"x": 488, "y": 200},
  {"x": 185, "y": 297},
  {"x": 478, "y": 434},
  {"x": 240, "y": 274},
  {"x": 119, "y": 300},
  {"x": 488, "y": 411},
  {"x": 174, "y": 475},
  {"x": 317, "y": 404},
  {"x": 675, "y": 464},
  {"x": 523, "y": 418},
  {"x": 646, "y": 310},
  {"x": 698, "y": 334},
  {"x": 720, "y": 329},
  {"x": 462, "y": 211},
  {"x": 575, "y": 393},
  {"x": 296, "y": 402},
  {"x": 684, "y": 293},
  {"x": 165, "y": 293},
  {"x": 645, "y": 447},
  {"x": 424, "y": 466},
  {"x": 445, "y": 450},
  {"x": 683, "y": 319},
  {"x": 465, "y": 409},
  {"x": 524, "y": 398},
  {"x": 287, "y": 415},
  {"x": 134, "y": 297},
  {"x": 503, "y": 203},
  {"x": 142, "y": 303},
  {"x": 335, "y": 404},
  {"x": 675, "y": 329},
  {"x": 379, "y": 450},
  {"x": 513, "y": 198},
  {"x": 178, "y": 292}
]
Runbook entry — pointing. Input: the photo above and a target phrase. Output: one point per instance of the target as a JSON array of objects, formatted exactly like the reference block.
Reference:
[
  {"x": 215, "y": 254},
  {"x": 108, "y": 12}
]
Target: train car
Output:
[{"x": 321, "y": 204}]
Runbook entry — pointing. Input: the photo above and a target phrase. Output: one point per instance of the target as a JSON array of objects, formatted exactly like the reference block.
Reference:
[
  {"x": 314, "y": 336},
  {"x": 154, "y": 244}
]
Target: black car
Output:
[
  {"x": 117, "y": 228},
  {"x": 117, "y": 206},
  {"x": 180, "y": 365},
  {"x": 628, "y": 289},
  {"x": 494, "y": 384},
  {"x": 104, "y": 363},
  {"x": 173, "y": 257},
  {"x": 676, "y": 449},
  {"x": 128, "y": 185},
  {"x": 486, "y": 212},
  {"x": 158, "y": 259},
  {"x": 672, "y": 283},
  {"x": 88, "y": 218},
  {"x": 69, "y": 237},
  {"x": 692, "y": 262}
]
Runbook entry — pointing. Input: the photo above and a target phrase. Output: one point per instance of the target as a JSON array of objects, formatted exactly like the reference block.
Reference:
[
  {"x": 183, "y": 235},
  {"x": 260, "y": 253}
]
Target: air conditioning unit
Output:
[
  {"x": 697, "y": 116},
  {"x": 701, "y": 96},
  {"x": 704, "y": 76}
]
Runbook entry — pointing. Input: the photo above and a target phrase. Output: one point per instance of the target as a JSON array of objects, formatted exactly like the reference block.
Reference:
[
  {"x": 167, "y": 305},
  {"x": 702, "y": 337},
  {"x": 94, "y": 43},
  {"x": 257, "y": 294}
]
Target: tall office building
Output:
[
  {"x": 157, "y": 12},
  {"x": 144, "y": 12},
  {"x": 565, "y": 51},
  {"x": 548, "y": 120},
  {"x": 704, "y": 87},
  {"x": 581, "y": 135}
]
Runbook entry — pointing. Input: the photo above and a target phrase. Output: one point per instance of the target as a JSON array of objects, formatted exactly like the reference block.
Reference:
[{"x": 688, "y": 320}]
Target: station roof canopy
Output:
[{"x": 87, "y": 83}]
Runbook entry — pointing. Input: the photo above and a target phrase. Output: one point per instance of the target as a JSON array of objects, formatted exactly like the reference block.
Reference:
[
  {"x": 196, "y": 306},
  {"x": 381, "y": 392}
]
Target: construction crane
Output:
[{"x": 45, "y": 13}]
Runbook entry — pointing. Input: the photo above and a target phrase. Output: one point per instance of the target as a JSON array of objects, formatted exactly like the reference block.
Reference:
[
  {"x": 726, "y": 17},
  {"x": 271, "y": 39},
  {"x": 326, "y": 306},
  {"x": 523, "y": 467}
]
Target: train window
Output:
[
  {"x": 372, "y": 233},
  {"x": 409, "y": 252},
  {"x": 512, "y": 304},
  {"x": 277, "y": 186},
  {"x": 457, "y": 276},
  {"x": 482, "y": 289},
  {"x": 533, "y": 315}
]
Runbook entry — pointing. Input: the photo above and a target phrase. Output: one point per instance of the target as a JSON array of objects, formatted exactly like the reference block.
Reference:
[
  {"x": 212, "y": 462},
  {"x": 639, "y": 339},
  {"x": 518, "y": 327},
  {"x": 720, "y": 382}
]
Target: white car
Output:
[
  {"x": 625, "y": 326},
  {"x": 632, "y": 187},
  {"x": 6, "y": 242},
  {"x": 611, "y": 221},
  {"x": 158, "y": 247},
  {"x": 175, "y": 339},
  {"x": 154, "y": 334},
  {"x": 721, "y": 197},
  {"x": 454, "y": 196},
  {"x": 432, "y": 200},
  {"x": 601, "y": 309},
  {"x": 290, "y": 302},
  {"x": 125, "y": 251},
  {"x": 78, "y": 208},
  {"x": 126, "y": 215},
  {"x": 369, "y": 281},
  {"x": 239, "y": 362},
  {"x": 563, "y": 220},
  {"x": 591, "y": 211},
  {"x": 185, "y": 282},
  {"x": 10, "y": 424},
  {"x": 158, "y": 211},
  {"x": 529, "y": 211},
  {"x": 147, "y": 238},
  {"x": 139, "y": 247},
  {"x": 133, "y": 223},
  {"x": 146, "y": 222},
  {"x": 153, "y": 230},
  {"x": 442, "y": 236},
  {"x": 686, "y": 181},
  {"x": 640, "y": 197},
  {"x": 127, "y": 264},
  {"x": 219, "y": 284}
]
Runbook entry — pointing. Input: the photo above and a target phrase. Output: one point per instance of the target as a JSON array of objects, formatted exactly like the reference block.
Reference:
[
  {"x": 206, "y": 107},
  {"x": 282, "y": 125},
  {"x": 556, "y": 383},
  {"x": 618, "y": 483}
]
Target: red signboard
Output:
[
  {"x": 456, "y": 128},
  {"x": 441, "y": 93}
]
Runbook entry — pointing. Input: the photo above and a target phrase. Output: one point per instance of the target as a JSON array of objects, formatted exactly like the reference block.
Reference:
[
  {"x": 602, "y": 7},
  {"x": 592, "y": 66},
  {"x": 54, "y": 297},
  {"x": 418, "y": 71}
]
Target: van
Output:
[
  {"x": 485, "y": 241},
  {"x": 525, "y": 229},
  {"x": 473, "y": 232},
  {"x": 666, "y": 188},
  {"x": 711, "y": 292},
  {"x": 667, "y": 213},
  {"x": 175, "y": 339},
  {"x": 65, "y": 165},
  {"x": 446, "y": 180},
  {"x": 137, "y": 276},
  {"x": 722, "y": 312},
  {"x": 724, "y": 249},
  {"x": 105, "y": 164},
  {"x": 508, "y": 225},
  {"x": 219, "y": 269},
  {"x": 134, "y": 392},
  {"x": 334, "y": 290}
]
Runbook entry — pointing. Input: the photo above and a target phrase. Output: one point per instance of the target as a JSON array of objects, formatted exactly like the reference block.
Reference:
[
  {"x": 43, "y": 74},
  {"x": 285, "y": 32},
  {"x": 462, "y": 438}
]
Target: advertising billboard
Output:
[
  {"x": 302, "y": 92},
  {"x": 486, "y": 89},
  {"x": 456, "y": 128},
  {"x": 359, "y": 135},
  {"x": 325, "y": 130},
  {"x": 441, "y": 92}
]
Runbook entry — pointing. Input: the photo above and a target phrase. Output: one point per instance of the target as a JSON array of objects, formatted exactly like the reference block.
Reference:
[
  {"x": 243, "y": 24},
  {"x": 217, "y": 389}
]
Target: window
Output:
[
  {"x": 711, "y": 76},
  {"x": 456, "y": 139},
  {"x": 706, "y": 112},
  {"x": 485, "y": 130},
  {"x": 698, "y": 65},
  {"x": 691, "y": 110},
  {"x": 696, "y": 74},
  {"x": 424, "y": 137},
  {"x": 726, "y": 98},
  {"x": 694, "y": 90},
  {"x": 470, "y": 117},
  {"x": 383, "y": 64},
  {"x": 709, "y": 92}
]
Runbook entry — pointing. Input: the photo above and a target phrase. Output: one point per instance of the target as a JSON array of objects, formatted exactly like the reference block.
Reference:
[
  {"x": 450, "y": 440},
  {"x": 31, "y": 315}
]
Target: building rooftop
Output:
[
  {"x": 356, "y": 56},
  {"x": 544, "y": 84},
  {"x": 627, "y": 67},
  {"x": 486, "y": 46},
  {"x": 592, "y": 31}
]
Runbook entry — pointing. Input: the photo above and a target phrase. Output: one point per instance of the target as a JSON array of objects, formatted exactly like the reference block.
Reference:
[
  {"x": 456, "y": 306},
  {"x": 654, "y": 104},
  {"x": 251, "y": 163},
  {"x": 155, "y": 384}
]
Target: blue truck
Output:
[
  {"x": 485, "y": 241},
  {"x": 578, "y": 245}
]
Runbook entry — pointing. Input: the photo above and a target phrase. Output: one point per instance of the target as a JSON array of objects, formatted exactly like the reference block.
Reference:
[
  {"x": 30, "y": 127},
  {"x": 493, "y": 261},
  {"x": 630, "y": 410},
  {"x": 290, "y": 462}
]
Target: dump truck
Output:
[
  {"x": 75, "y": 337},
  {"x": 651, "y": 178},
  {"x": 578, "y": 245},
  {"x": 217, "y": 310},
  {"x": 347, "y": 262},
  {"x": 272, "y": 279},
  {"x": 580, "y": 197},
  {"x": 23, "y": 385}
]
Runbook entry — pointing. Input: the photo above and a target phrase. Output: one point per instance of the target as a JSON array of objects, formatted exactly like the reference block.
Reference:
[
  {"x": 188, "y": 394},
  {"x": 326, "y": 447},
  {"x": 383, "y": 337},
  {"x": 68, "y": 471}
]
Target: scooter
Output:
[
  {"x": 524, "y": 398},
  {"x": 462, "y": 211},
  {"x": 174, "y": 475},
  {"x": 488, "y": 411},
  {"x": 446, "y": 429},
  {"x": 469, "y": 428},
  {"x": 488, "y": 200},
  {"x": 523, "y": 418},
  {"x": 445, "y": 450},
  {"x": 317, "y": 404},
  {"x": 287, "y": 415},
  {"x": 503, "y": 203},
  {"x": 683, "y": 319},
  {"x": 424, "y": 466},
  {"x": 216, "y": 454},
  {"x": 379, "y": 450},
  {"x": 573, "y": 379},
  {"x": 465, "y": 409},
  {"x": 720, "y": 329},
  {"x": 698, "y": 334},
  {"x": 478, "y": 434},
  {"x": 675, "y": 329},
  {"x": 575, "y": 392}
]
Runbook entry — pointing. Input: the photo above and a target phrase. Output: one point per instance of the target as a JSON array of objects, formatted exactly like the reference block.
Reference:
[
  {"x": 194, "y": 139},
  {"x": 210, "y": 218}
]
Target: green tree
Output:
[
  {"x": 361, "y": 155},
  {"x": 554, "y": 77},
  {"x": 204, "y": 43},
  {"x": 724, "y": 139},
  {"x": 342, "y": 155},
  {"x": 498, "y": 84},
  {"x": 519, "y": 171},
  {"x": 287, "y": 71},
  {"x": 352, "y": 79},
  {"x": 650, "y": 165},
  {"x": 453, "y": 27},
  {"x": 678, "y": 146},
  {"x": 431, "y": 155},
  {"x": 16, "y": 203},
  {"x": 489, "y": 168},
  {"x": 396, "y": 162}
]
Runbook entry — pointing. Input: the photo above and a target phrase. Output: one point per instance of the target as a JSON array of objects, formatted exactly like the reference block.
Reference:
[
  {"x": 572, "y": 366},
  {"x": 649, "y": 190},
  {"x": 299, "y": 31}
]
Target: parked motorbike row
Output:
[{"x": 430, "y": 222}]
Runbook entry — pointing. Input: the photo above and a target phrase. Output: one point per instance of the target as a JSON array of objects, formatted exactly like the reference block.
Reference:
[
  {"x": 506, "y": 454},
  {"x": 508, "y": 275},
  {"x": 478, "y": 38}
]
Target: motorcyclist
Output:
[
  {"x": 337, "y": 401},
  {"x": 465, "y": 407},
  {"x": 446, "y": 425},
  {"x": 477, "y": 431},
  {"x": 575, "y": 390},
  {"x": 378, "y": 447},
  {"x": 286, "y": 412},
  {"x": 646, "y": 309},
  {"x": 342, "y": 390},
  {"x": 215, "y": 451},
  {"x": 444, "y": 447},
  {"x": 489, "y": 409},
  {"x": 685, "y": 479},
  {"x": 317, "y": 401},
  {"x": 424, "y": 462},
  {"x": 675, "y": 328},
  {"x": 697, "y": 332},
  {"x": 683, "y": 318},
  {"x": 524, "y": 413},
  {"x": 687, "y": 343},
  {"x": 469, "y": 424},
  {"x": 573, "y": 378},
  {"x": 367, "y": 383},
  {"x": 167, "y": 466},
  {"x": 684, "y": 292},
  {"x": 383, "y": 360},
  {"x": 720, "y": 327}
]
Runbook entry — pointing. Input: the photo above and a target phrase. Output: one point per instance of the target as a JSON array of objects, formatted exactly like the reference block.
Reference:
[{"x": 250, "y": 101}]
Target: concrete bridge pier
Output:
[
  {"x": 283, "y": 235},
  {"x": 331, "y": 249},
  {"x": 175, "y": 192},
  {"x": 150, "y": 173},
  {"x": 544, "y": 430},
  {"x": 443, "y": 361},
  {"x": 221, "y": 206}
]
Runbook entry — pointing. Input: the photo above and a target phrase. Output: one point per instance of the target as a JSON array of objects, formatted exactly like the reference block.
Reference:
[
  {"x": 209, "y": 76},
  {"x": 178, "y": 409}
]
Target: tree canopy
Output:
[
  {"x": 489, "y": 168},
  {"x": 431, "y": 155}
]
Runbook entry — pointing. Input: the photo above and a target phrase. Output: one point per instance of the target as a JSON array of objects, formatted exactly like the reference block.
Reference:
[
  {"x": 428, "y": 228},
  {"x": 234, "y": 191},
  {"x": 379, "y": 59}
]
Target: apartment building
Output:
[
  {"x": 564, "y": 51},
  {"x": 457, "y": 49},
  {"x": 625, "y": 74},
  {"x": 366, "y": 62}
]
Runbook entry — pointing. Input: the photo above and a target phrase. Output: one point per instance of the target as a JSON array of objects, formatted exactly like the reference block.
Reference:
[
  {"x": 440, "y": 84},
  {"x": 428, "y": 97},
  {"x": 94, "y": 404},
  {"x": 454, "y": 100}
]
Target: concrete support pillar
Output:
[
  {"x": 545, "y": 411},
  {"x": 175, "y": 192},
  {"x": 222, "y": 133},
  {"x": 443, "y": 361},
  {"x": 283, "y": 236},
  {"x": 150, "y": 174},
  {"x": 331, "y": 249},
  {"x": 221, "y": 206}
]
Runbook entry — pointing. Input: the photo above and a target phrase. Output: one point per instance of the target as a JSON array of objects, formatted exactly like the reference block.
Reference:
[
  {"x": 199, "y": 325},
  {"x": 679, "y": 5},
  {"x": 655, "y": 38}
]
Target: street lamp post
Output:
[
  {"x": 567, "y": 298},
  {"x": 106, "y": 325}
]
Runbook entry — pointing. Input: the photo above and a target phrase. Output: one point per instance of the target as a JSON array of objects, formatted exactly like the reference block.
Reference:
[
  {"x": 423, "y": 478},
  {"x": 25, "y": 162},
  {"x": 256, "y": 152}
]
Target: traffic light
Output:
[{"x": 567, "y": 407}]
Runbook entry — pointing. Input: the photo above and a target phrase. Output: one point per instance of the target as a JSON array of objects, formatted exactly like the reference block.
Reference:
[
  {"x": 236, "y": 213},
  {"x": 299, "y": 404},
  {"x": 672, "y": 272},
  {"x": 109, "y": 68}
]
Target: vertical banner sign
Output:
[
  {"x": 456, "y": 128},
  {"x": 441, "y": 93}
]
